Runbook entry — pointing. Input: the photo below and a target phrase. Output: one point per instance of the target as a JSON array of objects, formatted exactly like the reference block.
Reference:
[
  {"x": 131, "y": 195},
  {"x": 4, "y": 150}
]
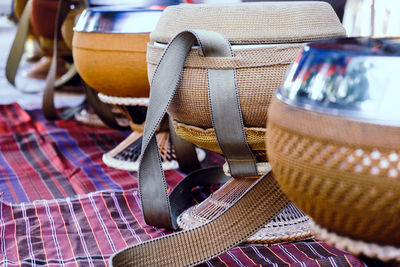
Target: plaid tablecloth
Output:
[{"x": 61, "y": 206}]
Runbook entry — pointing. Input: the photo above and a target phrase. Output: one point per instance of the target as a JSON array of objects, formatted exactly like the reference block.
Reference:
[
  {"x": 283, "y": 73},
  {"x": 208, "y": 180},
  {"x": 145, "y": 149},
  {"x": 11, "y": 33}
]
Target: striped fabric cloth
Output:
[{"x": 61, "y": 206}]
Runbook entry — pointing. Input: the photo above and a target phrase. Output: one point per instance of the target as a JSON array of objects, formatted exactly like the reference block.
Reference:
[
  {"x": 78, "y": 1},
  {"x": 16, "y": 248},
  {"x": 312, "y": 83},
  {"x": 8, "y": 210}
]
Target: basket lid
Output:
[{"x": 249, "y": 23}]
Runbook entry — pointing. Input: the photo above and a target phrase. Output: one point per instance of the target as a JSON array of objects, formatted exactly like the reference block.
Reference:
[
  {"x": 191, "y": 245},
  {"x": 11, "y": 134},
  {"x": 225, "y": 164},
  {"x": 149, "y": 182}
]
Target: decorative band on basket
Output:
[
  {"x": 126, "y": 101},
  {"x": 205, "y": 138},
  {"x": 254, "y": 56}
]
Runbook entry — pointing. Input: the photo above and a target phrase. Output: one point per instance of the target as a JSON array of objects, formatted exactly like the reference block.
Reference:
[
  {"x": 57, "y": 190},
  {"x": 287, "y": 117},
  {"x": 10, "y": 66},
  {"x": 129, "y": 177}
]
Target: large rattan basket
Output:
[
  {"x": 266, "y": 39},
  {"x": 334, "y": 140}
]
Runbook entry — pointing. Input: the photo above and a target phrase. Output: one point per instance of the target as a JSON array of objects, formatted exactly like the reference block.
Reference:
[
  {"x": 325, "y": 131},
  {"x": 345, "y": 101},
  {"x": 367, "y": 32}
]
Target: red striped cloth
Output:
[
  {"x": 86, "y": 230},
  {"x": 52, "y": 215},
  {"x": 47, "y": 160}
]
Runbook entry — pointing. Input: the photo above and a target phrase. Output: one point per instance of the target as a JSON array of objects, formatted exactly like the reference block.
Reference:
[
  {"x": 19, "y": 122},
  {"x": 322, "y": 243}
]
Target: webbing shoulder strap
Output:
[
  {"x": 18, "y": 45},
  {"x": 101, "y": 109},
  {"x": 17, "y": 50},
  {"x": 258, "y": 205},
  {"x": 156, "y": 205},
  {"x": 48, "y": 107}
]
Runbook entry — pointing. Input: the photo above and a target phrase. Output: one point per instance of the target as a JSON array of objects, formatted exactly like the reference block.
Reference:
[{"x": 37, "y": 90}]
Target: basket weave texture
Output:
[
  {"x": 205, "y": 138},
  {"x": 253, "y": 23},
  {"x": 344, "y": 174},
  {"x": 259, "y": 73},
  {"x": 289, "y": 225},
  {"x": 277, "y": 32}
]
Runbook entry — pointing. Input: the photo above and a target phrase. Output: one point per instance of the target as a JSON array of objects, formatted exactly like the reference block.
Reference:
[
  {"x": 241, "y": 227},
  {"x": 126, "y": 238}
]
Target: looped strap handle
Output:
[
  {"x": 48, "y": 107},
  {"x": 156, "y": 205},
  {"x": 17, "y": 50},
  {"x": 18, "y": 45},
  {"x": 258, "y": 205}
]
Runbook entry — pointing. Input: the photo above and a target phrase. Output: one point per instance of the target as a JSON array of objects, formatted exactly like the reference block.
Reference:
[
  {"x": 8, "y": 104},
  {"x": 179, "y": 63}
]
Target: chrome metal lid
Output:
[
  {"x": 357, "y": 78},
  {"x": 118, "y": 19}
]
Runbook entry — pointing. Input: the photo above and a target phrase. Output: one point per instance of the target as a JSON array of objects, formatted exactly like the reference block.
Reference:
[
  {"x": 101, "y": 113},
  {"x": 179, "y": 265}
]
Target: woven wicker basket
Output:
[
  {"x": 316, "y": 171},
  {"x": 337, "y": 159},
  {"x": 265, "y": 38}
]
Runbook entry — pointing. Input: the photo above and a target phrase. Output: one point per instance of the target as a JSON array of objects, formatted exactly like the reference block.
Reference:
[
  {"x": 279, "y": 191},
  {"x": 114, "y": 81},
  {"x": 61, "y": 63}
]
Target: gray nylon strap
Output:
[
  {"x": 17, "y": 48},
  {"x": 48, "y": 107},
  {"x": 225, "y": 111},
  {"x": 152, "y": 186},
  {"x": 228, "y": 124},
  {"x": 156, "y": 206},
  {"x": 185, "y": 152},
  {"x": 257, "y": 207}
]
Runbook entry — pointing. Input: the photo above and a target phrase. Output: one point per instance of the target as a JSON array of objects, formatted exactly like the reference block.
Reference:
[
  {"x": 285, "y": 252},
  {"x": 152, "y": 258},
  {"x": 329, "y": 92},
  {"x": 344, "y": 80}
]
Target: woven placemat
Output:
[
  {"x": 126, "y": 155},
  {"x": 289, "y": 225}
]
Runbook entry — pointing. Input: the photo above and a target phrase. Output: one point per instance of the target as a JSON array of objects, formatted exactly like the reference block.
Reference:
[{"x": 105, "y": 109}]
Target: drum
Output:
[
  {"x": 109, "y": 51},
  {"x": 334, "y": 142},
  {"x": 261, "y": 56}
]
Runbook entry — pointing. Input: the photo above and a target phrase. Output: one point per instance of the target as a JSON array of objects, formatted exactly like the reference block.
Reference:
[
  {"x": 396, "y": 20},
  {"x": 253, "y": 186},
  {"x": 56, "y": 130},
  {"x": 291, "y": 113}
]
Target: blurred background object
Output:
[
  {"x": 132, "y": 3},
  {"x": 5, "y": 7},
  {"x": 117, "y": 2},
  {"x": 211, "y": 1},
  {"x": 372, "y": 18},
  {"x": 43, "y": 21}
]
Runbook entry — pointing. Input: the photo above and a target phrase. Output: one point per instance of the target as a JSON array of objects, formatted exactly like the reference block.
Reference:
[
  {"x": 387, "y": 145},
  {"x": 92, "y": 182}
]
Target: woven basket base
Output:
[
  {"x": 290, "y": 225},
  {"x": 126, "y": 101},
  {"x": 357, "y": 247},
  {"x": 205, "y": 138},
  {"x": 126, "y": 155}
]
